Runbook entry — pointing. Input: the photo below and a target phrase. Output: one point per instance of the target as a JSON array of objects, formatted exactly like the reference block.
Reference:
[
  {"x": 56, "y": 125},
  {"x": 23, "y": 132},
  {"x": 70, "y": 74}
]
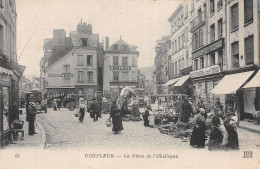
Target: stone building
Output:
[
  {"x": 77, "y": 69},
  {"x": 120, "y": 66},
  {"x": 10, "y": 70}
]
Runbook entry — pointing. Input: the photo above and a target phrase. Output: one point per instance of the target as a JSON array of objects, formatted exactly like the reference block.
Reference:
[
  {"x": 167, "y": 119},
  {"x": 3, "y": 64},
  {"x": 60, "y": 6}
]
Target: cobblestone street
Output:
[{"x": 63, "y": 130}]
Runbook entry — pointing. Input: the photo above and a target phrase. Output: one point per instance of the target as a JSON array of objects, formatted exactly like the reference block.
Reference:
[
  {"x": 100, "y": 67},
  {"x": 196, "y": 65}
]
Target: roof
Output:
[
  {"x": 175, "y": 12},
  {"x": 121, "y": 45}
]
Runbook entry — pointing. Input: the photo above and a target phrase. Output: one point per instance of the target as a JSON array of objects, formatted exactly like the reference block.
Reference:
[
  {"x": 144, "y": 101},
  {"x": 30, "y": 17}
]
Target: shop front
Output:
[{"x": 204, "y": 80}]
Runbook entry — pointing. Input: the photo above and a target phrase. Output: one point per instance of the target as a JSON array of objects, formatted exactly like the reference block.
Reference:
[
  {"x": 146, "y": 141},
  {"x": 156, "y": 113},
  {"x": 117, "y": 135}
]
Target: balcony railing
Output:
[{"x": 198, "y": 21}]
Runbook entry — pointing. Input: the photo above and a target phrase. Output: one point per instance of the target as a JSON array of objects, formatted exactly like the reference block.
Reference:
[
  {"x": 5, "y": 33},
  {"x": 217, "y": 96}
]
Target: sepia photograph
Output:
[{"x": 130, "y": 84}]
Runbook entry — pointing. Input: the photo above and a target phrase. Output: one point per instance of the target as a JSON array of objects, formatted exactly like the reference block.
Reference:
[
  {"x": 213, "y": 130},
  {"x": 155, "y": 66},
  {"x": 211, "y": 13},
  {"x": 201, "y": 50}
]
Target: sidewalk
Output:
[
  {"x": 249, "y": 126},
  {"x": 36, "y": 141}
]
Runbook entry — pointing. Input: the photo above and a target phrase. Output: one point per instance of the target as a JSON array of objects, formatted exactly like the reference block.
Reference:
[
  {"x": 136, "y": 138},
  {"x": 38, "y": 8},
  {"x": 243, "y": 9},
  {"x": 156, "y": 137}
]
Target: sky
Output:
[{"x": 139, "y": 22}]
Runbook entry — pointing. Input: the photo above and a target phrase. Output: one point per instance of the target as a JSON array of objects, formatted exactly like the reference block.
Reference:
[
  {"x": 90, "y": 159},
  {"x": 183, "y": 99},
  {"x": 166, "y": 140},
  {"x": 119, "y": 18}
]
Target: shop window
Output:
[
  {"x": 89, "y": 60},
  {"x": 202, "y": 62},
  {"x": 124, "y": 76},
  {"x": 212, "y": 7},
  {"x": 248, "y": 14},
  {"x": 235, "y": 54},
  {"x": 6, "y": 103},
  {"x": 124, "y": 61},
  {"x": 212, "y": 59},
  {"x": 80, "y": 76},
  {"x": 115, "y": 75},
  {"x": 212, "y": 33},
  {"x": 249, "y": 50},
  {"x": 234, "y": 17},
  {"x": 66, "y": 81},
  {"x": 90, "y": 77},
  {"x": 220, "y": 28},
  {"x": 115, "y": 60},
  {"x": 80, "y": 60}
]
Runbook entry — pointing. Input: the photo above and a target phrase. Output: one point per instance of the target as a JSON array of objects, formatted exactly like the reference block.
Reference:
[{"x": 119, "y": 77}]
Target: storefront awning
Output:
[
  {"x": 170, "y": 82},
  {"x": 231, "y": 83},
  {"x": 181, "y": 81},
  {"x": 255, "y": 82}
]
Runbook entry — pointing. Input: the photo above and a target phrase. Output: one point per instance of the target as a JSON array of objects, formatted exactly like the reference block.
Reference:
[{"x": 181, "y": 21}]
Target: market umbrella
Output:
[{"x": 125, "y": 91}]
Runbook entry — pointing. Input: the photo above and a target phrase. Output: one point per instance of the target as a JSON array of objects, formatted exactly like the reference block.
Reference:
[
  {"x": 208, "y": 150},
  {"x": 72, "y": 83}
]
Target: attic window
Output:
[
  {"x": 115, "y": 47},
  {"x": 84, "y": 42}
]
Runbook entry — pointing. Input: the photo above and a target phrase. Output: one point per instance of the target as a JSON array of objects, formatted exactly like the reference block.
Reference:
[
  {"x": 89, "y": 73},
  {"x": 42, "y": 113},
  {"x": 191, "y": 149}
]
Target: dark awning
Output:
[{"x": 12, "y": 66}]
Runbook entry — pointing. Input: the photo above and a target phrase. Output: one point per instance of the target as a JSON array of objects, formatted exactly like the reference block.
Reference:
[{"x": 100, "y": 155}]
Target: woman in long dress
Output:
[
  {"x": 115, "y": 114},
  {"x": 198, "y": 134},
  {"x": 216, "y": 137}
]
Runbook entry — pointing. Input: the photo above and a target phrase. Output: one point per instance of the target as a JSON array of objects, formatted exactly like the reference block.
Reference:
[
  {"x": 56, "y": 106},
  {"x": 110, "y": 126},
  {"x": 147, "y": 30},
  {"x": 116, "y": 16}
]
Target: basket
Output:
[
  {"x": 18, "y": 124},
  {"x": 108, "y": 123}
]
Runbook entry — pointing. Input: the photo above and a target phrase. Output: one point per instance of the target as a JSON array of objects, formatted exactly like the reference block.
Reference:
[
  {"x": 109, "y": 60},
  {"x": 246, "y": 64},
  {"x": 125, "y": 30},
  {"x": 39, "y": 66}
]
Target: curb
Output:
[
  {"x": 43, "y": 140},
  {"x": 250, "y": 129}
]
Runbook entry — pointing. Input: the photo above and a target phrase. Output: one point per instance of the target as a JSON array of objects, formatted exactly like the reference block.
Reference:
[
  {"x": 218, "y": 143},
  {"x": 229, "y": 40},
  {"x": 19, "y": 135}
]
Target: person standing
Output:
[
  {"x": 187, "y": 111},
  {"x": 179, "y": 108},
  {"x": 230, "y": 125},
  {"x": 115, "y": 114},
  {"x": 30, "y": 116},
  {"x": 198, "y": 134},
  {"x": 44, "y": 105},
  {"x": 81, "y": 110},
  {"x": 218, "y": 103},
  {"x": 236, "y": 108},
  {"x": 58, "y": 104},
  {"x": 55, "y": 104},
  {"x": 146, "y": 115},
  {"x": 95, "y": 108}
]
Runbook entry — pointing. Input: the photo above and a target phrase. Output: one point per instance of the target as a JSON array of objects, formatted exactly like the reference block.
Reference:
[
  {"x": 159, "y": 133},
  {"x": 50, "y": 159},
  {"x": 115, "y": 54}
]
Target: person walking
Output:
[
  {"x": 198, "y": 134},
  {"x": 95, "y": 108},
  {"x": 31, "y": 116},
  {"x": 115, "y": 114},
  {"x": 81, "y": 110}
]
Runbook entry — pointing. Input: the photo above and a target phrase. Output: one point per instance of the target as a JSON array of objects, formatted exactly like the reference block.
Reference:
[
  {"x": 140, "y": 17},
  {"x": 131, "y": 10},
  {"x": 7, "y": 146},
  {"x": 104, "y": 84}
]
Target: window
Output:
[
  {"x": 186, "y": 34},
  {"x": 80, "y": 60},
  {"x": 115, "y": 60},
  {"x": 89, "y": 60},
  {"x": 115, "y": 47},
  {"x": 201, "y": 37},
  {"x": 212, "y": 33},
  {"x": 220, "y": 4},
  {"x": 220, "y": 28},
  {"x": 134, "y": 76},
  {"x": 124, "y": 76},
  {"x": 173, "y": 69},
  {"x": 66, "y": 68},
  {"x": 175, "y": 42},
  {"x": 234, "y": 17},
  {"x": 179, "y": 43},
  {"x": 249, "y": 50},
  {"x": 212, "y": 59},
  {"x": 124, "y": 61},
  {"x": 192, "y": 5},
  {"x": 90, "y": 76},
  {"x": 80, "y": 76},
  {"x": 182, "y": 40},
  {"x": 1, "y": 3},
  {"x": 84, "y": 42},
  {"x": 186, "y": 10},
  {"x": 235, "y": 54},
  {"x": 66, "y": 81},
  {"x": 220, "y": 58},
  {"x": 176, "y": 68},
  {"x": 248, "y": 7},
  {"x": 173, "y": 49},
  {"x": 187, "y": 57},
  {"x": 133, "y": 61},
  {"x": 115, "y": 75},
  {"x": 202, "y": 62},
  {"x": 1, "y": 38},
  {"x": 196, "y": 64},
  {"x": 212, "y": 7}
]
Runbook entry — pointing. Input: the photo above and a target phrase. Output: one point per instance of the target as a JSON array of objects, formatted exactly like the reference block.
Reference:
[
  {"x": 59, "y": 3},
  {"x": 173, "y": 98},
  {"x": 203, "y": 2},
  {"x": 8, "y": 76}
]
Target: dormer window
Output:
[
  {"x": 84, "y": 42},
  {"x": 115, "y": 47}
]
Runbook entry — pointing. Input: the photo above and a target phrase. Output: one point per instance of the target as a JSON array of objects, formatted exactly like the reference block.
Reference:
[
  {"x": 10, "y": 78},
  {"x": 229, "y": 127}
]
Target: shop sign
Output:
[
  {"x": 120, "y": 68},
  {"x": 206, "y": 71},
  {"x": 212, "y": 47},
  {"x": 60, "y": 75}
]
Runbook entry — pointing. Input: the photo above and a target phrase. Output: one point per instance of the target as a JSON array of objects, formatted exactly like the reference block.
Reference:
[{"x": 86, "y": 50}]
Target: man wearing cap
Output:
[
  {"x": 95, "y": 108},
  {"x": 30, "y": 116}
]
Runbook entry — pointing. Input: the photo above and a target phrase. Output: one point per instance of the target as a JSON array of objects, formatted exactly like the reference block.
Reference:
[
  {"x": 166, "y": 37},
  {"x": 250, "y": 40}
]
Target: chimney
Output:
[{"x": 107, "y": 42}]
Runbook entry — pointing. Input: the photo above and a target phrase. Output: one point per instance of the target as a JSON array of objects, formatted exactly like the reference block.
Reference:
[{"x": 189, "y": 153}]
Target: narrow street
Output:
[{"x": 63, "y": 130}]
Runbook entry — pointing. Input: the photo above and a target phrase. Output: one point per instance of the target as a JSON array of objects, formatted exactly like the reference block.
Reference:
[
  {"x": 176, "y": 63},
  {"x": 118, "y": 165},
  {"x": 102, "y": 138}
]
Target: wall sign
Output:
[
  {"x": 120, "y": 68},
  {"x": 206, "y": 71},
  {"x": 85, "y": 68},
  {"x": 60, "y": 75}
]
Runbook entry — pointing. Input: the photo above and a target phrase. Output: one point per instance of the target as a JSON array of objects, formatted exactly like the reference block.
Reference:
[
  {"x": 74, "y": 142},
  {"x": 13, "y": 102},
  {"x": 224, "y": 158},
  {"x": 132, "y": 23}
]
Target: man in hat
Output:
[{"x": 95, "y": 108}]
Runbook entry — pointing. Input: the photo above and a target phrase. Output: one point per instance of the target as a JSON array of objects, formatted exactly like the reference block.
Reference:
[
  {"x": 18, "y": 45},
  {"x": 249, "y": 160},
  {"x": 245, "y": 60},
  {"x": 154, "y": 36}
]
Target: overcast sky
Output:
[{"x": 139, "y": 22}]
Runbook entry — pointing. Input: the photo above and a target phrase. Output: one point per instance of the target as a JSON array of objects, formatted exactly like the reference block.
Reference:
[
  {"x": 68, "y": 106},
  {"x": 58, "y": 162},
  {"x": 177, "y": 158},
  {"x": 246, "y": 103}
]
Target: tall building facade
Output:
[
  {"x": 10, "y": 70},
  {"x": 120, "y": 66},
  {"x": 78, "y": 70}
]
